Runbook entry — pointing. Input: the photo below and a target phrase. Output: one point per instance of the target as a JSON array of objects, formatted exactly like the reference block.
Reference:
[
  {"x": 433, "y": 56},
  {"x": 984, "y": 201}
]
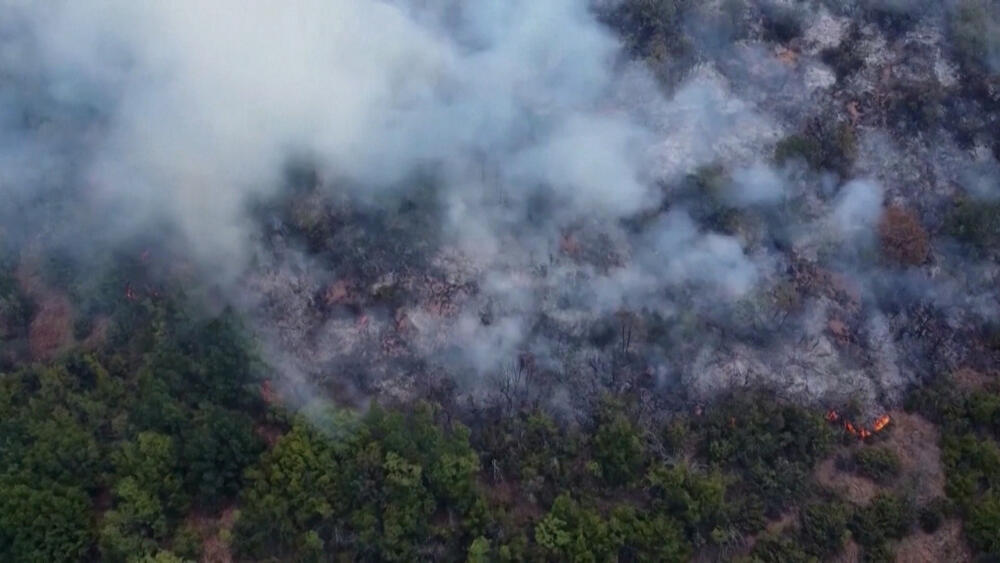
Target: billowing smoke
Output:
[
  {"x": 205, "y": 103},
  {"x": 408, "y": 195}
]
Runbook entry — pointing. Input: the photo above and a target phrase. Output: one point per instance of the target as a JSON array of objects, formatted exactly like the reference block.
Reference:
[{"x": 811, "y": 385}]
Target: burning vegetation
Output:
[{"x": 860, "y": 431}]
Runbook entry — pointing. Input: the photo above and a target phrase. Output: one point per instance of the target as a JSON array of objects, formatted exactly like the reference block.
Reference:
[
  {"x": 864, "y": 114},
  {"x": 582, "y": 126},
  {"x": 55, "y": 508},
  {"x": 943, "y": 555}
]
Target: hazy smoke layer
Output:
[
  {"x": 512, "y": 196},
  {"x": 206, "y": 102}
]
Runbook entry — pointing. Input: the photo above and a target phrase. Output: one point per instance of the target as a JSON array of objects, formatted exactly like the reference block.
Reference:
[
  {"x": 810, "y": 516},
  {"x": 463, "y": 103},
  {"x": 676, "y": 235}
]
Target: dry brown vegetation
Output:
[
  {"x": 51, "y": 330},
  {"x": 946, "y": 544},
  {"x": 914, "y": 440},
  {"x": 972, "y": 380},
  {"x": 904, "y": 239},
  {"x": 853, "y": 488},
  {"x": 51, "y": 327}
]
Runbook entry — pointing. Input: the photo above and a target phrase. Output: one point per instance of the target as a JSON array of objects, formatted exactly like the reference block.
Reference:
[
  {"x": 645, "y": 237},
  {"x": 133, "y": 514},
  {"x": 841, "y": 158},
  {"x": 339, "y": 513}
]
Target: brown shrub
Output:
[
  {"x": 904, "y": 239},
  {"x": 51, "y": 331}
]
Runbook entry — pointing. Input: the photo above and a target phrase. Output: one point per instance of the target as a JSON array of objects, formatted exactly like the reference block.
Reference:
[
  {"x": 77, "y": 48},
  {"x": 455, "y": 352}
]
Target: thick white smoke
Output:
[{"x": 206, "y": 101}]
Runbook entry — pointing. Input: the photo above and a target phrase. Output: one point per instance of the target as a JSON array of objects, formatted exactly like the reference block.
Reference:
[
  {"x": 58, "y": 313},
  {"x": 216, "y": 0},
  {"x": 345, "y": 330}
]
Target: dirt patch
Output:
[
  {"x": 521, "y": 506},
  {"x": 914, "y": 439},
  {"x": 216, "y": 532},
  {"x": 850, "y": 554},
  {"x": 269, "y": 433},
  {"x": 783, "y": 522},
  {"x": 776, "y": 527},
  {"x": 972, "y": 380},
  {"x": 51, "y": 331},
  {"x": 946, "y": 544},
  {"x": 98, "y": 334},
  {"x": 853, "y": 488}
]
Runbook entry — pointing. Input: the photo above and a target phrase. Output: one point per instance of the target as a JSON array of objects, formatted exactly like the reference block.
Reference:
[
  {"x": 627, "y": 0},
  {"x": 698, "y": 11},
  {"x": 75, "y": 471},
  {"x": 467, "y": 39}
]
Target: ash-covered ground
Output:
[{"x": 499, "y": 203}]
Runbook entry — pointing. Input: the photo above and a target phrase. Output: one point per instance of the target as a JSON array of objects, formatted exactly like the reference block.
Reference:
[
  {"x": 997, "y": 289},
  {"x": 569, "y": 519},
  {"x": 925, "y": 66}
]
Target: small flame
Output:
[
  {"x": 881, "y": 422},
  {"x": 861, "y": 432}
]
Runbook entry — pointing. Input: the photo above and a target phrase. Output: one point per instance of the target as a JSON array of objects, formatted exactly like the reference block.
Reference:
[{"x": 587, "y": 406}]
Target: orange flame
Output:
[
  {"x": 861, "y": 432},
  {"x": 881, "y": 422}
]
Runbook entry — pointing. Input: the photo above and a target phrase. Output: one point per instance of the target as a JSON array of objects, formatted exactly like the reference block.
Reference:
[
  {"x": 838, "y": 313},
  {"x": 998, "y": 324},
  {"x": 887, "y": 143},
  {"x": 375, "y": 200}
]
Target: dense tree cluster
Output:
[
  {"x": 106, "y": 451},
  {"x": 970, "y": 423}
]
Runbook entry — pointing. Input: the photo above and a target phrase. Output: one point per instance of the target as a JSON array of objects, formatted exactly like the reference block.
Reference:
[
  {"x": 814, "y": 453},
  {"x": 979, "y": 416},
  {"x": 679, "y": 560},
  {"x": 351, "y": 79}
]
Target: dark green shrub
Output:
[
  {"x": 617, "y": 446},
  {"x": 879, "y": 553},
  {"x": 886, "y": 517},
  {"x": 778, "y": 548},
  {"x": 824, "y": 527},
  {"x": 983, "y": 525},
  {"x": 932, "y": 514},
  {"x": 878, "y": 464}
]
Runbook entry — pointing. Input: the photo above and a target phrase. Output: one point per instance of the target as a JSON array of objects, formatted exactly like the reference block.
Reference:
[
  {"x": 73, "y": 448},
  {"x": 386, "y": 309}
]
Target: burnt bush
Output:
[
  {"x": 781, "y": 23},
  {"x": 845, "y": 59},
  {"x": 895, "y": 17},
  {"x": 975, "y": 33},
  {"x": 975, "y": 222},
  {"x": 904, "y": 239},
  {"x": 916, "y": 106},
  {"x": 651, "y": 29}
]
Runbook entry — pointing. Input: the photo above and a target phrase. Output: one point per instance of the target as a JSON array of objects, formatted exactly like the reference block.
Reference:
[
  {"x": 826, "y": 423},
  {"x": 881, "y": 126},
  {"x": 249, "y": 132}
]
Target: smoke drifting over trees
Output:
[{"x": 404, "y": 195}]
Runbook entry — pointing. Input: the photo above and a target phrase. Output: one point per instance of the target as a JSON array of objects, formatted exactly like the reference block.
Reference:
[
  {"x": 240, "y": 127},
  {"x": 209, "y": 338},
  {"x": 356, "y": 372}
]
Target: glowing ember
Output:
[
  {"x": 881, "y": 422},
  {"x": 861, "y": 432}
]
